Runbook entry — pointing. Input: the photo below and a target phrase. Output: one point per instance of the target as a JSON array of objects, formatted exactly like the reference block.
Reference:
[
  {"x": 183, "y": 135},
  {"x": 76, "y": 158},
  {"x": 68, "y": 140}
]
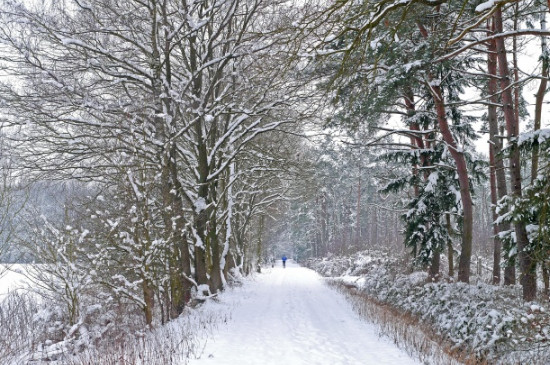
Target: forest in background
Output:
[{"x": 154, "y": 151}]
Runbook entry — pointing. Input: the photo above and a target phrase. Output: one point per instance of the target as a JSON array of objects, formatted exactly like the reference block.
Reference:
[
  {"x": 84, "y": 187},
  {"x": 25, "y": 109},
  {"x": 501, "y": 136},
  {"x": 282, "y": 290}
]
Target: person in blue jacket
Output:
[{"x": 284, "y": 261}]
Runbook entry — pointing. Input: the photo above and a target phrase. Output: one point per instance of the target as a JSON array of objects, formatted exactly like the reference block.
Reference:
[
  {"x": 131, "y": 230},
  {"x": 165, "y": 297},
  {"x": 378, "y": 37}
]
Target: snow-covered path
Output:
[{"x": 288, "y": 316}]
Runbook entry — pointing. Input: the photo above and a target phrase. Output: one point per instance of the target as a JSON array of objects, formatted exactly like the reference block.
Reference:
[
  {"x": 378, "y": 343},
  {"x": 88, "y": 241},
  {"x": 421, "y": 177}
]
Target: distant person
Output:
[{"x": 284, "y": 261}]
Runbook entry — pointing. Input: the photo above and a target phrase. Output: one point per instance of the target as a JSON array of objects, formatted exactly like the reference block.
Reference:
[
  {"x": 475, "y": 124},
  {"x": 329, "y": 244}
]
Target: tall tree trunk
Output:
[
  {"x": 226, "y": 256},
  {"x": 201, "y": 276},
  {"x": 496, "y": 241},
  {"x": 215, "y": 281},
  {"x": 464, "y": 183},
  {"x": 450, "y": 250},
  {"x": 502, "y": 190},
  {"x": 324, "y": 225},
  {"x": 358, "y": 212},
  {"x": 496, "y": 146},
  {"x": 416, "y": 141},
  {"x": 149, "y": 300},
  {"x": 200, "y": 207},
  {"x": 201, "y": 216},
  {"x": 259, "y": 245},
  {"x": 202, "y": 212},
  {"x": 465, "y": 258},
  {"x": 515, "y": 63},
  {"x": 528, "y": 273},
  {"x": 180, "y": 259},
  {"x": 539, "y": 99},
  {"x": 319, "y": 228},
  {"x": 179, "y": 264},
  {"x": 494, "y": 149}
]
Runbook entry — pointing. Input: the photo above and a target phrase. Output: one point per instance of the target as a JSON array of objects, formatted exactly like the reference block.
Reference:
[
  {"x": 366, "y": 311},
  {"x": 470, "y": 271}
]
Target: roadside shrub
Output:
[{"x": 490, "y": 322}]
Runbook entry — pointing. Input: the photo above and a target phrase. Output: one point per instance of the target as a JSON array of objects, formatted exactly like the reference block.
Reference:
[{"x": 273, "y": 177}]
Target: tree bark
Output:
[
  {"x": 450, "y": 251},
  {"x": 201, "y": 276},
  {"x": 494, "y": 149},
  {"x": 179, "y": 258},
  {"x": 515, "y": 63},
  {"x": 259, "y": 245},
  {"x": 528, "y": 274},
  {"x": 416, "y": 140},
  {"x": 539, "y": 99},
  {"x": 358, "y": 211},
  {"x": 465, "y": 258},
  {"x": 149, "y": 299},
  {"x": 324, "y": 225},
  {"x": 464, "y": 183},
  {"x": 496, "y": 241}
]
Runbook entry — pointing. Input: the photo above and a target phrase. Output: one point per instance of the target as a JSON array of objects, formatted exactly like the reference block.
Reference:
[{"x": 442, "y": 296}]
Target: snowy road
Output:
[{"x": 288, "y": 316}]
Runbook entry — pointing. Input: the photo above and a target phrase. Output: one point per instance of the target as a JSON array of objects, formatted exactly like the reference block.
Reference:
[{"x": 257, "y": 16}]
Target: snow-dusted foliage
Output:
[
  {"x": 490, "y": 321},
  {"x": 12, "y": 200},
  {"x": 335, "y": 206},
  {"x": 158, "y": 111},
  {"x": 532, "y": 209},
  {"x": 185, "y": 127},
  {"x": 390, "y": 69},
  {"x": 33, "y": 331}
]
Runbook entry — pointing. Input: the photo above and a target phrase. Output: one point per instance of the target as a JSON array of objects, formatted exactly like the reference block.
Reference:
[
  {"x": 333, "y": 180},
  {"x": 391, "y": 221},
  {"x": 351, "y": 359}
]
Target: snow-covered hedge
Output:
[{"x": 490, "y": 321}]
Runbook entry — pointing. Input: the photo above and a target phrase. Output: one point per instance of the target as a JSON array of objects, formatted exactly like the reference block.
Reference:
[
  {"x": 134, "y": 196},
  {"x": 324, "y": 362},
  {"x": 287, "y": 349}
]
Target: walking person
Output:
[{"x": 284, "y": 261}]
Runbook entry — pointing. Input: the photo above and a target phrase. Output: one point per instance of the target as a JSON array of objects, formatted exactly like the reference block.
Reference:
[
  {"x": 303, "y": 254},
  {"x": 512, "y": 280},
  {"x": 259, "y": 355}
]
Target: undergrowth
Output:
[
  {"x": 33, "y": 331},
  {"x": 475, "y": 324}
]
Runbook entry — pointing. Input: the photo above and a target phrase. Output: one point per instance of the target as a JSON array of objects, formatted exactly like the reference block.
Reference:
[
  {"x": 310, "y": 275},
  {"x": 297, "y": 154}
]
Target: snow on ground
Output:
[
  {"x": 11, "y": 278},
  {"x": 288, "y": 316}
]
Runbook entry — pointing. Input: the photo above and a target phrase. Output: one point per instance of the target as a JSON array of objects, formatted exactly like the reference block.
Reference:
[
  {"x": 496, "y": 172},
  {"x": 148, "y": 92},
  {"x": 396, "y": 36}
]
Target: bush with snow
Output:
[
  {"x": 44, "y": 321},
  {"x": 36, "y": 330},
  {"x": 489, "y": 321}
]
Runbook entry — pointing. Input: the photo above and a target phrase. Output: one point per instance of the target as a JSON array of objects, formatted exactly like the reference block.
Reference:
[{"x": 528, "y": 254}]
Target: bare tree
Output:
[{"x": 152, "y": 102}]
